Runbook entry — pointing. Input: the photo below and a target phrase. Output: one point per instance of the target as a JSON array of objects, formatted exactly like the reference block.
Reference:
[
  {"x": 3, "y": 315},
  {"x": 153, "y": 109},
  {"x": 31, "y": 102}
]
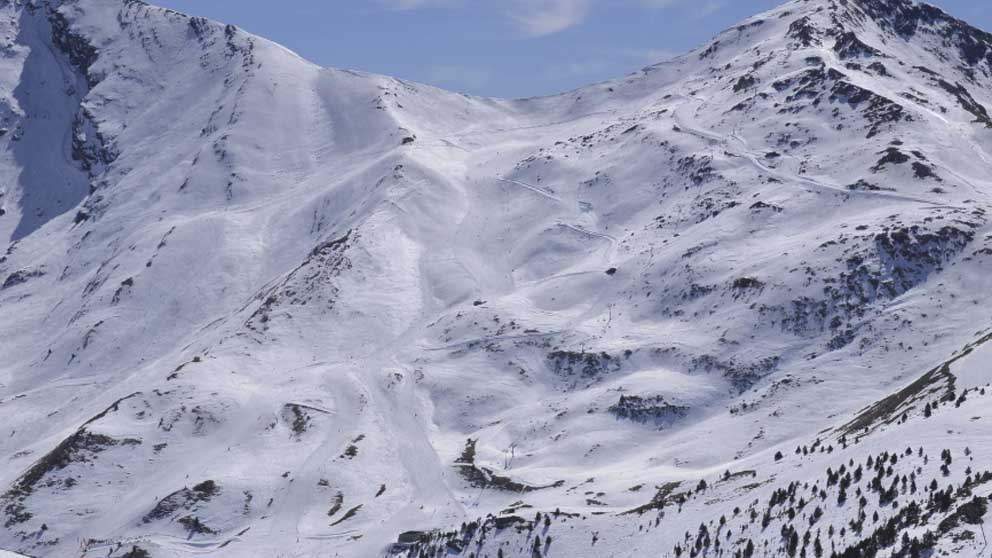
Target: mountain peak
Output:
[{"x": 907, "y": 18}]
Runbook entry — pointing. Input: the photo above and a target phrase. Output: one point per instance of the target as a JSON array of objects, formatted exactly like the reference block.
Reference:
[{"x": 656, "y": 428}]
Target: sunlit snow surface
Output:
[{"x": 253, "y": 307}]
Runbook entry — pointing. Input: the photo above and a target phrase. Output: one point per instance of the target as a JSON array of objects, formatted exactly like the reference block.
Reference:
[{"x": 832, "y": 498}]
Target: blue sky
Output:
[{"x": 503, "y": 48}]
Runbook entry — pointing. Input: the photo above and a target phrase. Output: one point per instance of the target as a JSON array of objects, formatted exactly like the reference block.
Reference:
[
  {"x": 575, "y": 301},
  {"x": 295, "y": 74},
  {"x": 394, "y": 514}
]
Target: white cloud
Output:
[
  {"x": 538, "y": 18},
  {"x": 707, "y": 9}
]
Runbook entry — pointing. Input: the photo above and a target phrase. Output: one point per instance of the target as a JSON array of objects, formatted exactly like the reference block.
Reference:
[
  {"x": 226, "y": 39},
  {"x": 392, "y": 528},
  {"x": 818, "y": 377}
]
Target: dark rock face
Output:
[
  {"x": 649, "y": 410},
  {"x": 889, "y": 264},
  {"x": 745, "y": 82},
  {"x": 583, "y": 365},
  {"x": 741, "y": 375},
  {"x": 80, "y": 52},
  {"x": 313, "y": 282},
  {"x": 967, "y": 102},
  {"x": 81, "y": 447},
  {"x": 907, "y": 19},
  {"x": 484, "y": 477},
  {"x": 849, "y": 46},
  {"x": 892, "y": 156},
  {"x": 909, "y": 254},
  {"x": 410, "y": 537},
  {"x": 20, "y": 277},
  {"x": 876, "y": 109},
  {"x": 91, "y": 148},
  {"x": 183, "y": 499},
  {"x": 804, "y": 32},
  {"x": 474, "y": 533}
]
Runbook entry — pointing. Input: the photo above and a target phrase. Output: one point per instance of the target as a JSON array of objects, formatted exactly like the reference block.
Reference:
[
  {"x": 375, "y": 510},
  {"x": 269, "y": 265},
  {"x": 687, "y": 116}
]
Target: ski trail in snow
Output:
[
  {"x": 184, "y": 546},
  {"x": 612, "y": 240},
  {"x": 745, "y": 152},
  {"x": 535, "y": 126},
  {"x": 961, "y": 129},
  {"x": 578, "y": 211},
  {"x": 602, "y": 293},
  {"x": 397, "y": 417},
  {"x": 532, "y": 188},
  {"x": 604, "y": 236},
  {"x": 596, "y": 308}
]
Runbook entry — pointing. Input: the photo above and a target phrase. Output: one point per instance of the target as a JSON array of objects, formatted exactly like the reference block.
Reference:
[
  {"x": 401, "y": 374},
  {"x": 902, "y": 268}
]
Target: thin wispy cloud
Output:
[
  {"x": 538, "y": 18},
  {"x": 707, "y": 9}
]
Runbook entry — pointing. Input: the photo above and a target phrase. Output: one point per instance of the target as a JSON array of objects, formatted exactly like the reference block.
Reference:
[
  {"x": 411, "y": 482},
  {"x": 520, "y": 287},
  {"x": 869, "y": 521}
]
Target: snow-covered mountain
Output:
[{"x": 734, "y": 305}]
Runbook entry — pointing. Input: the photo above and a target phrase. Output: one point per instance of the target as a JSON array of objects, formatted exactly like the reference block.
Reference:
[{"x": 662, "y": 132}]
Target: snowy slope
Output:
[{"x": 254, "y": 307}]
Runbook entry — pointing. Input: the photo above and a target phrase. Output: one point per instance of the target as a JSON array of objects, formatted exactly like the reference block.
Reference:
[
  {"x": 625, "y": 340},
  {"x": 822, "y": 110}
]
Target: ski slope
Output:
[{"x": 256, "y": 307}]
